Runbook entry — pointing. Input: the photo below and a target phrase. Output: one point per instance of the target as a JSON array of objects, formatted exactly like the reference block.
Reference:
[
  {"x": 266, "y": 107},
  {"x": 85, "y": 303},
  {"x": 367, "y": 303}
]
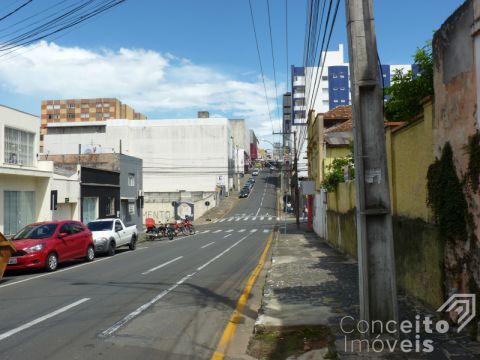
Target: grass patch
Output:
[{"x": 284, "y": 342}]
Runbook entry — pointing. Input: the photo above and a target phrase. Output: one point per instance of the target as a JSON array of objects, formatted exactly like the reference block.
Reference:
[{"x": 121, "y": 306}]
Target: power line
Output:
[
  {"x": 260, "y": 62},
  {"x": 273, "y": 58},
  {"x": 15, "y": 10}
]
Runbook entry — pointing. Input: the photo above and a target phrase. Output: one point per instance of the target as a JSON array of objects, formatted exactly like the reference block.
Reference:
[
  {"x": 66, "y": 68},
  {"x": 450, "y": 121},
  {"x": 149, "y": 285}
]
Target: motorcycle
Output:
[{"x": 154, "y": 232}]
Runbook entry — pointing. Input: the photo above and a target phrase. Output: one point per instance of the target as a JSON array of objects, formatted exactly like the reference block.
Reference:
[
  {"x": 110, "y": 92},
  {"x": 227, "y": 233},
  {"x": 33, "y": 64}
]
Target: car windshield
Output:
[
  {"x": 100, "y": 225},
  {"x": 43, "y": 231}
]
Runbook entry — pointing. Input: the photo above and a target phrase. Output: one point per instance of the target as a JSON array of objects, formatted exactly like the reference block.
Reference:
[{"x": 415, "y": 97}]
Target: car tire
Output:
[
  {"x": 111, "y": 248},
  {"x": 133, "y": 243},
  {"x": 90, "y": 253},
  {"x": 51, "y": 263}
]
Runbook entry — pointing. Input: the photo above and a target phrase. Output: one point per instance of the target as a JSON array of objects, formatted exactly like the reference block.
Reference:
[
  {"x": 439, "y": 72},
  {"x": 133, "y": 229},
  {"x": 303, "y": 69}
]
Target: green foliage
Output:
[
  {"x": 406, "y": 91},
  {"x": 473, "y": 149},
  {"x": 336, "y": 171},
  {"x": 446, "y": 197}
]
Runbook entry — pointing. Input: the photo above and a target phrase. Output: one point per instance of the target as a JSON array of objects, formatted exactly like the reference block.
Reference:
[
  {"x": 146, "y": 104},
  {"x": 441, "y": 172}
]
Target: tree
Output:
[{"x": 407, "y": 90}]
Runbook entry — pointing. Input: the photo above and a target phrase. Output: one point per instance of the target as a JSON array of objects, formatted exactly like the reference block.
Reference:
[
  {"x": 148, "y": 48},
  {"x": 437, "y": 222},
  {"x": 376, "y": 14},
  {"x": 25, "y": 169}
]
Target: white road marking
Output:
[
  {"x": 227, "y": 236},
  {"x": 242, "y": 230},
  {"x": 253, "y": 230},
  {"x": 238, "y": 219},
  {"x": 204, "y": 232},
  {"x": 229, "y": 231},
  {"x": 142, "y": 308},
  {"x": 214, "y": 221},
  {"x": 270, "y": 218},
  {"x": 216, "y": 231},
  {"x": 111, "y": 330},
  {"x": 162, "y": 265},
  {"x": 266, "y": 231},
  {"x": 278, "y": 219},
  {"x": 262, "y": 217},
  {"x": 230, "y": 219},
  {"x": 42, "y": 318},
  {"x": 204, "y": 246},
  {"x": 245, "y": 219},
  {"x": 257, "y": 212},
  {"x": 96, "y": 261},
  {"x": 222, "y": 220}
]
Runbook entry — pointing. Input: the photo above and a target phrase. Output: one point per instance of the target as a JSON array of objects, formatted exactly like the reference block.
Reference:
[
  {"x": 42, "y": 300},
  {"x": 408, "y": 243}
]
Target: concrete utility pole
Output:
[
  {"x": 378, "y": 296},
  {"x": 297, "y": 193}
]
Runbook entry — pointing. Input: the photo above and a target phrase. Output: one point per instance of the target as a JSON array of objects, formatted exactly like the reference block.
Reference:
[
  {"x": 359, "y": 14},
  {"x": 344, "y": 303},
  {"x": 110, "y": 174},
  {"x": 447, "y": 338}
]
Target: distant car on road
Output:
[
  {"x": 272, "y": 168},
  {"x": 244, "y": 193},
  {"x": 110, "y": 234},
  {"x": 255, "y": 172},
  {"x": 46, "y": 244}
]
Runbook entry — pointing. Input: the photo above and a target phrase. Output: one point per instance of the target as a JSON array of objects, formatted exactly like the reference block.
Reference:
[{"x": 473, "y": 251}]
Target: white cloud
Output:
[{"x": 149, "y": 81}]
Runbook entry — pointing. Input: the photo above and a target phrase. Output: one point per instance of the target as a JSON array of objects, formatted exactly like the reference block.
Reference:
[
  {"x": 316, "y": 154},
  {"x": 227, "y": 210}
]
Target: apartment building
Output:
[{"x": 80, "y": 110}]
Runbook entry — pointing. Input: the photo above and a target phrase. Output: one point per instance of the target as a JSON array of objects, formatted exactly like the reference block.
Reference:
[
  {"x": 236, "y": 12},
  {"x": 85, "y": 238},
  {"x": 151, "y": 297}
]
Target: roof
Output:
[
  {"x": 345, "y": 126},
  {"x": 339, "y": 113}
]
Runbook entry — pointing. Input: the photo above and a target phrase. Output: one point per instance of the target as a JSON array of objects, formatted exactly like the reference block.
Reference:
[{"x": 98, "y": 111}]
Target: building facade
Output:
[
  {"x": 25, "y": 182},
  {"x": 78, "y": 110},
  {"x": 188, "y": 160}
]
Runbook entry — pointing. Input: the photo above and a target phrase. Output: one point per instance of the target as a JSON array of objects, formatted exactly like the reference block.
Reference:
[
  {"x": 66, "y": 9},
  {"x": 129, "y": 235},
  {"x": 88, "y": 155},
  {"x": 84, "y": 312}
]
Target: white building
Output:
[
  {"x": 25, "y": 182},
  {"x": 189, "y": 160}
]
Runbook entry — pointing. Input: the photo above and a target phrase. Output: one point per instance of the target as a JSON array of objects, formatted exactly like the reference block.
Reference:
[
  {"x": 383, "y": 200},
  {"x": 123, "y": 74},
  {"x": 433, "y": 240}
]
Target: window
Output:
[
  {"x": 49, "y": 107},
  {"x": 19, "y": 147},
  {"x": 342, "y": 101},
  {"x": 335, "y": 89},
  {"x": 342, "y": 88},
  {"x": 19, "y": 210},
  {"x": 56, "y": 107},
  {"x": 334, "y": 76},
  {"x": 118, "y": 226},
  {"x": 110, "y": 210},
  {"x": 131, "y": 179},
  {"x": 325, "y": 78},
  {"x": 335, "y": 101},
  {"x": 53, "y": 116},
  {"x": 99, "y": 104},
  {"x": 71, "y": 106},
  {"x": 106, "y": 115},
  {"x": 342, "y": 76},
  {"x": 66, "y": 229},
  {"x": 99, "y": 115},
  {"x": 84, "y": 115},
  {"x": 106, "y": 104},
  {"x": 70, "y": 116},
  {"x": 84, "y": 106},
  {"x": 76, "y": 228}
]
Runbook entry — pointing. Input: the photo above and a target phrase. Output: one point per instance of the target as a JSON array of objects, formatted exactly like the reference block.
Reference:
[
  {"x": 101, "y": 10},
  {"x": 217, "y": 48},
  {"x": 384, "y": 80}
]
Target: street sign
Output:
[{"x": 207, "y": 203}]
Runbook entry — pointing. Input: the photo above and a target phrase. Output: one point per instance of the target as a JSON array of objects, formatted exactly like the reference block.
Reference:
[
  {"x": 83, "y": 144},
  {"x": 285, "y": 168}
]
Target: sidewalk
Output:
[{"x": 310, "y": 283}]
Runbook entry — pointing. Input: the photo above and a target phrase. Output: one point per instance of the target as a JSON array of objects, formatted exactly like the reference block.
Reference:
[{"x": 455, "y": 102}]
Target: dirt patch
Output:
[{"x": 284, "y": 342}]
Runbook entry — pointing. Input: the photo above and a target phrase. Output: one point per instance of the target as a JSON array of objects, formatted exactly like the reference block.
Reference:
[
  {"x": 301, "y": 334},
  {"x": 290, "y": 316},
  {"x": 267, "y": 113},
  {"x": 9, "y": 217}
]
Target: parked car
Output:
[
  {"x": 110, "y": 234},
  {"x": 46, "y": 244},
  {"x": 251, "y": 179},
  {"x": 255, "y": 172},
  {"x": 244, "y": 193}
]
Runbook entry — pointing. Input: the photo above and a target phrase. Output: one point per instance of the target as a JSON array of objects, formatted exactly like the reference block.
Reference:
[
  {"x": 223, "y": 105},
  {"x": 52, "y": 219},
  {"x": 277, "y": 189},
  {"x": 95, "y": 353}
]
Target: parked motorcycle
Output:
[{"x": 155, "y": 231}]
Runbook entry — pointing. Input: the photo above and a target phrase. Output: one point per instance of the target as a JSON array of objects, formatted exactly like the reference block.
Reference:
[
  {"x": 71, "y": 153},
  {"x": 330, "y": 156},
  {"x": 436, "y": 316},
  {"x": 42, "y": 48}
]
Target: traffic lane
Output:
[
  {"x": 192, "y": 319},
  {"x": 51, "y": 290},
  {"x": 88, "y": 321},
  {"x": 262, "y": 197},
  {"x": 122, "y": 295}
]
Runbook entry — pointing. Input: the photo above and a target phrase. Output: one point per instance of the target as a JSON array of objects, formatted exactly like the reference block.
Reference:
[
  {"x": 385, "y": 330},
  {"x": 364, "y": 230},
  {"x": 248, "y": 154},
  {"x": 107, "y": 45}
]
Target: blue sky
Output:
[{"x": 170, "y": 59}]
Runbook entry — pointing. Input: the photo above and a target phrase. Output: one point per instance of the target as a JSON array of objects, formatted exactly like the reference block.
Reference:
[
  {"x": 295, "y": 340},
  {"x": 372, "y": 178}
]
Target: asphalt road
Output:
[{"x": 165, "y": 300}]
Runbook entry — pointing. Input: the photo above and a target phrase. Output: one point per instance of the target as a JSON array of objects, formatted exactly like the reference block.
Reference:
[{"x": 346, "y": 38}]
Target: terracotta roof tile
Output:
[
  {"x": 343, "y": 127},
  {"x": 338, "y": 113}
]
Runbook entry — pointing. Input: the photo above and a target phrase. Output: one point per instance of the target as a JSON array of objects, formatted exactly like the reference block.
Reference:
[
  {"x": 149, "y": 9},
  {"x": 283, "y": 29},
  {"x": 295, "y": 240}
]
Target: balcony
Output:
[
  {"x": 299, "y": 81},
  {"x": 299, "y": 108},
  {"x": 299, "y": 95}
]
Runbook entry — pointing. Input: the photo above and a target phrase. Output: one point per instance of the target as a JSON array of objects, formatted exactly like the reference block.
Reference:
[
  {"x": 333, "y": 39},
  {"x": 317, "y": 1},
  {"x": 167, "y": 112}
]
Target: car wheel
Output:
[
  {"x": 90, "y": 253},
  {"x": 133, "y": 243},
  {"x": 51, "y": 263},
  {"x": 111, "y": 248}
]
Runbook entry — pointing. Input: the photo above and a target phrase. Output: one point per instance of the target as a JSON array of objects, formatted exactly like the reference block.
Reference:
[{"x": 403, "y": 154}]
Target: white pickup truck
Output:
[{"x": 109, "y": 234}]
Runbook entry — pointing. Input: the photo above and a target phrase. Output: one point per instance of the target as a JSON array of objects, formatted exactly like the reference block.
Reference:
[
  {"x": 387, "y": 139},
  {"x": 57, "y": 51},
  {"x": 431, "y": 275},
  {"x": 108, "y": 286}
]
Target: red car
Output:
[{"x": 46, "y": 244}]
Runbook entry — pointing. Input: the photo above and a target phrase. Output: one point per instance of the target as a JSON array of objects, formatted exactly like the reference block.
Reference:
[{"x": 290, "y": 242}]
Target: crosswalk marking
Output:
[
  {"x": 216, "y": 231},
  {"x": 222, "y": 220},
  {"x": 262, "y": 217},
  {"x": 270, "y": 219},
  {"x": 246, "y": 218},
  {"x": 228, "y": 231},
  {"x": 266, "y": 231},
  {"x": 204, "y": 232},
  {"x": 253, "y": 230},
  {"x": 242, "y": 230},
  {"x": 254, "y": 218},
  {"x": 214, "y": 221},
  {"x": 238, "y": 219},
  {"x": 230, "y": 219}
]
